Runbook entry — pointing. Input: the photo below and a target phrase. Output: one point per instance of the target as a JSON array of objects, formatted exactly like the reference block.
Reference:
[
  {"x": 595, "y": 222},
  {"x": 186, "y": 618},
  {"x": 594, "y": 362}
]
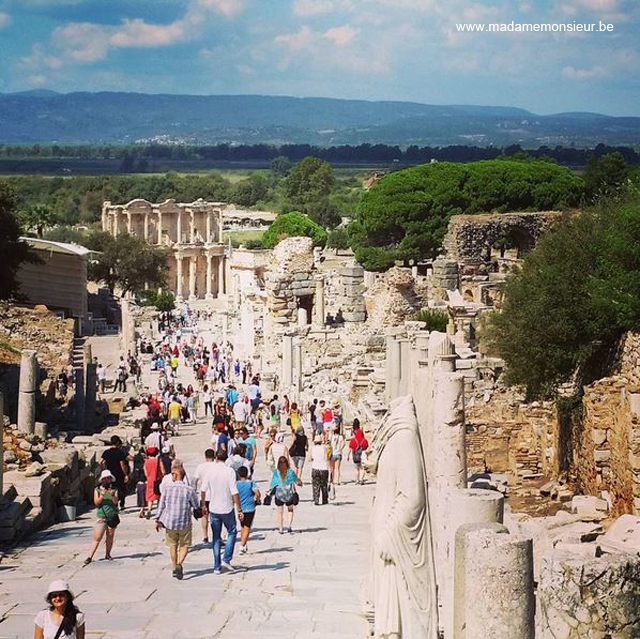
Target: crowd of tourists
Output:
[{"x": 247, "y": 430}]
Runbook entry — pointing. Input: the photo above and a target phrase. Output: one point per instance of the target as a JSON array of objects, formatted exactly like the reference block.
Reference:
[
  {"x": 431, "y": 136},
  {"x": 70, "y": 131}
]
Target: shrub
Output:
[
  {"x": 294, "y": 224},
  {"x": 435, "y": 320}
]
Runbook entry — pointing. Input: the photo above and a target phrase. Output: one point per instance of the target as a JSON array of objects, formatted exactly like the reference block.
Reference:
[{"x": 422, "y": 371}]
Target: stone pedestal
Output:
[
  {"x": 463, "y": 506},
  {"x": 405, "y": 366},
  {"x": 27, "y": 392},
  {"x": 493, "y": 584},
  {"x": 302, "y": 317}
]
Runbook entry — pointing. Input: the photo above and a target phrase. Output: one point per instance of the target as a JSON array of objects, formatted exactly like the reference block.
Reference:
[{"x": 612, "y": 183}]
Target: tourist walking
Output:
[
  {"x": 320, "y": 454},
  {"x": 153, "y": 473},
  {"x": 338, "y": 443},
  {"x": 219, "y": 485},
  {"x": 298, "y": 451},
  {"x": 249, "y": 497},
  {"x": 283, "y": 487},
  {"x": 116, "y": 460},
  {"x": 62, "y": 619},
  {"x": 358, "y": 444},
  {"x": 105, "y": 497},
  {"x": 175, "y": 511}
]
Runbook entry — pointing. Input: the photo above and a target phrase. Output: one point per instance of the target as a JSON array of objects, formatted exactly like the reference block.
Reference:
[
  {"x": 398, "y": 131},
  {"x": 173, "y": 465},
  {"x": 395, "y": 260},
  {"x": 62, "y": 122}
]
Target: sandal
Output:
[
  {"x": 108, "y": 557},
  {"x": 87, "y": 561}
]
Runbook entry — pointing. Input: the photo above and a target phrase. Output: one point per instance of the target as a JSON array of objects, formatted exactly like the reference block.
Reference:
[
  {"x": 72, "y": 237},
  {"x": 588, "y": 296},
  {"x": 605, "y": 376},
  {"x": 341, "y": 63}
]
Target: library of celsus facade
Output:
[{"x": 192, "y": 231}]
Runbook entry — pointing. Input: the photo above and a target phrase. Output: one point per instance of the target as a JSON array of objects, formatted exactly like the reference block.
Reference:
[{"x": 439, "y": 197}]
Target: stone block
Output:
[
  {"x": 601, "y": 456},
  {"x": 10, "y": 514},
  {"x": 623, "y": 536},
  {"x": 354, "y": 317},
  {"x": 351, "y": 271},
  {"x": 599, "y": 436}
]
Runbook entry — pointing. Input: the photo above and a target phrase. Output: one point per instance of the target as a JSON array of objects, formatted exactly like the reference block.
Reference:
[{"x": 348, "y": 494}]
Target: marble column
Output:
[
  {"x": 179, "y": 277},
  {"x": 90, "y": 393},
  {"x": 116, "y": 222},
  {"x": 220, "y": 227},
  {"x": 318, "y": 303},
  {"x": 392, "y": 368},
  {"x": 287, "y": 363},
  {"x": 405, "y": 366},
  {"x": 192, "y": 277},
  {"x": 303, "y": 320},
  {"x": 221, "y": 286},
  {"x": 160, "y": 227},
  {"x": 192, "y": 227},
  {"x": 208, "y": 227},
  {"x": 27, "y": 392},
  {"x": 494, "y": 594},
  {"x": 129, "y": 222},
  {"x": 209, "y": 295},
  {"x": 146, "y": 227},
  {"x": 179, "y": 227},
  {"x": 298, "y": 365}
]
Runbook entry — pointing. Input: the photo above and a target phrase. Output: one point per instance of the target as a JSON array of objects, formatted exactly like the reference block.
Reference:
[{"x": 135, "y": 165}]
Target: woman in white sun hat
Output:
[
  {"x": 105, "y": 498},
  {"x": 62, "y": 619}
]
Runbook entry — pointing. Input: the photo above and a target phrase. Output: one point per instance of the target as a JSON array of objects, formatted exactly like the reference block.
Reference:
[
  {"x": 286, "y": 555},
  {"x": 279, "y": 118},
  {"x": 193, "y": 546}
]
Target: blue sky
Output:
[{"x": 369, "y": 49}]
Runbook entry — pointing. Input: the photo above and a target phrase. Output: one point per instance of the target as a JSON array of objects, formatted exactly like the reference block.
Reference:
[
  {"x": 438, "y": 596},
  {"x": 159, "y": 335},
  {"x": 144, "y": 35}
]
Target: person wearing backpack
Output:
[{"x": 357, "y": 446}]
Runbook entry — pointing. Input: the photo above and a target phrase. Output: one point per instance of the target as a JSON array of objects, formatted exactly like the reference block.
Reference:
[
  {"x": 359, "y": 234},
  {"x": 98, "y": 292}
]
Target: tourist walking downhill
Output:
[
  {"x": 175, "y": 512},
  {"x": 219, "y": 488}
]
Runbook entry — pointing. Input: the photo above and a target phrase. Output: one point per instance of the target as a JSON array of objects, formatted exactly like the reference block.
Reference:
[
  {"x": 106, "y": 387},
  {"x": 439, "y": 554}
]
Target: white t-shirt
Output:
[
  {"x": 319, "y": 457},
  {"x": 235, "y": 461},
  {"x": 240, "y": 411},
  {"x": 219, "y": 484},
  {"x": 199, "y": 475},
  {"x": 44, "y": 621},
  {"x": 153, "y": 440}
]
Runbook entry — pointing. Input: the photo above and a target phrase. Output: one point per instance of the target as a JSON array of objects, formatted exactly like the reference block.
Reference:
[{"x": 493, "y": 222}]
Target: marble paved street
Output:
[{"x": 298, "y": 585}]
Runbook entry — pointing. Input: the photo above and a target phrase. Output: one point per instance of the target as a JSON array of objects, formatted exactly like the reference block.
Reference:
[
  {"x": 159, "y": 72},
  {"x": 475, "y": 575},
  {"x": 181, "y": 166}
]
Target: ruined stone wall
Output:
[
  {"x": 469, "y": 238},
  {"x": 505, "y": 435},
  {"x": 290, "y": 276},
  {"x": 392, "y": 300},
  {"x": 607, "y": 444},
  {"x": 344, "y": 294},
  {"x": 39, "y": 329}
]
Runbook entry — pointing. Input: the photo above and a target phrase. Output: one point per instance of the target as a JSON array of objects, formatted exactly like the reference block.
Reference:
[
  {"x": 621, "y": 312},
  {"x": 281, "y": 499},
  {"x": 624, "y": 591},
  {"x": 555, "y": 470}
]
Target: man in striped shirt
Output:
[{"x": 174, "y": 515}]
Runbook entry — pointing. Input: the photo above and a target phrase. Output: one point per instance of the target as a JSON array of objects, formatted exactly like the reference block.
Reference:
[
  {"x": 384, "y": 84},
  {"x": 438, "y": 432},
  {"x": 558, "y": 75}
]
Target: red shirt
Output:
[{"x": 358, "y": 440}]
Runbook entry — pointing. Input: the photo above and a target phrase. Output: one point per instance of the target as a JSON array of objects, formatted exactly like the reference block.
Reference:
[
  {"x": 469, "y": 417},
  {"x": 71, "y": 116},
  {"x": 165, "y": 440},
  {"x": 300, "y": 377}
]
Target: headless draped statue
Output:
[{"x": 402, "y": 588}]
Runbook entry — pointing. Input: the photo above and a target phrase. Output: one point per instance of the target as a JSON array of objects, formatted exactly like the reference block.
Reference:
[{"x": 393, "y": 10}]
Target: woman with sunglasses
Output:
[{"x": 62, "y": 619}]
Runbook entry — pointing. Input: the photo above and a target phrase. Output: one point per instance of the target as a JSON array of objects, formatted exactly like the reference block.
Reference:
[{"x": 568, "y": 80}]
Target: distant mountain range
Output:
[{"x": 47, "y": 117}]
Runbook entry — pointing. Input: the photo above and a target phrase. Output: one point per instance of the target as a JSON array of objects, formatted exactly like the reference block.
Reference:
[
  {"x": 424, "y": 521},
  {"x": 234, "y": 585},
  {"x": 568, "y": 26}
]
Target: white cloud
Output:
[
  {"x": 341, "y": 35},
  {"x": 479, "y": 13},
  {"x": 39, "y": 59},
  {"x": 82, "y": 42},
  {"x": 571, "y": 73},
  {"x": 310, "y": 8},
  {"x": 299, "y": 41},
  {"x": 138, "y": 33},
  {"x": 225, "y": 7},
  {"x": 5, "y": 20}
]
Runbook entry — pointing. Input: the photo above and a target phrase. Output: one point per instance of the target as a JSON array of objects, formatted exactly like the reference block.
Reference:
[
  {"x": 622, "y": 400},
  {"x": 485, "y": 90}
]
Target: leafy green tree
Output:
[
  {"x": 128, "y": 262},
  {"x": 338, "y": 238},
  {"x": 250, "y": 191},
  {"x": 294, "y": 224},
  {"x": 310, "y": 181},
  {"x": 281, "y": 166},
  {"x": 434, "y": 319},
  {"x": 324, "y": 213},
  {"x": 14, "y": 251},
  {"x": 163, "y": 300},
  {"x": 37, "y": 218},
  {"x": 575, "y": 295},
  {"x": 65, "y": 234},
  {"x": 405, "y": 215},
  {"x": 606, "y": 175}
]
